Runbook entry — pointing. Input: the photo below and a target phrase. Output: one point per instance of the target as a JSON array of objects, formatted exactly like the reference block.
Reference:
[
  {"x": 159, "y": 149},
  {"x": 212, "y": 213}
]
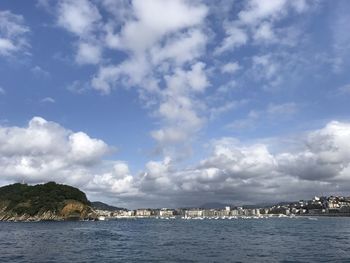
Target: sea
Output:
[{"x": 301, "y": 239}]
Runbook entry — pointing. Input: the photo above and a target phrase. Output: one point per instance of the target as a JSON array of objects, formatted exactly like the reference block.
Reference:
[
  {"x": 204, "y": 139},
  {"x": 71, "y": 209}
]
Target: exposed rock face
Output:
[
  {"x": 72, "y": 210},
  {"x": 43, "y": 203}
]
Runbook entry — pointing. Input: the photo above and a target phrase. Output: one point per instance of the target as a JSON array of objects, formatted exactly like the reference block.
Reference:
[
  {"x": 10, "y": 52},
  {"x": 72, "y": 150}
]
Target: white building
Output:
[
  {"x": 166, "y": 212},
  {"x": 194, "y": 213},
  {"x": 143, "y": 212}
]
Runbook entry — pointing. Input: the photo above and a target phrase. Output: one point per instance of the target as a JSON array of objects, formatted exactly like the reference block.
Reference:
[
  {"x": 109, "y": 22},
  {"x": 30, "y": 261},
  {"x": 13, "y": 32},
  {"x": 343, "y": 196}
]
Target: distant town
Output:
[{"x": 318, "y": 206}]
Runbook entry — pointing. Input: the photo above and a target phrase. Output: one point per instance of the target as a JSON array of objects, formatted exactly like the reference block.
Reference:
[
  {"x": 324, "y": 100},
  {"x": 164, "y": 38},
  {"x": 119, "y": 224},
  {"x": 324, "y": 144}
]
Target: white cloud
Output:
[
  {"x": 174, "y": 35},
  {"x": 88, "y": 54},
  {"x": 78, "y": 87},
  {"x": 140, "y": 34},
  {"x": 243, "y": 162},
  {"x": 105, "y": 78},
  {"x": 13, "y": 34},
  {"x": 230, "y": 67},
  {"x": 121, "y": 169},
  {"x": 120, "y": 10},
  {"x": 257, "y": 20},
  {"x": 264, "y": 32},
  {"x": 78, "y": 16},
  {"x": 268, "y": 68},
  {"x": 6, "y": 46},
  {"x": 258, "y": 10},
  {"x": 196, "y": 77},
  {"x": 130, "y": 73},
  {"x": 301, "y": 5},
  {"x": 48, "y": 100},
  {"x": 40, "y": 72},
  {"x": 84, "y": 149},
  {"x": 83, "y": 19},
  {"x": 235, "y": 37},
  {"x": 180, "y": 114},
  {"x": 2, "y": 91},
  {"x": 265, "y": 64},
  {"x": 325, "y": 157},
  {"x": 110, "y": 183},
  {"x": 182, "y": 48},
  {"x": 45, "y": 151},
  {"x": 158, "y": 169}
]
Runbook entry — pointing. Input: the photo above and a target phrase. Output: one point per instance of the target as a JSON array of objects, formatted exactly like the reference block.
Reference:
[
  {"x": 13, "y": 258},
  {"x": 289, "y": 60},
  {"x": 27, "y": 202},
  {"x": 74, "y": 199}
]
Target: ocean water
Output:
[{"x": 152, "y": 240}]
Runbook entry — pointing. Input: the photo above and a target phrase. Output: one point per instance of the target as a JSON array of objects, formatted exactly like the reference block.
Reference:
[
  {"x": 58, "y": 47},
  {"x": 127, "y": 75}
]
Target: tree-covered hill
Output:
[{"x": 22, "y": 199}]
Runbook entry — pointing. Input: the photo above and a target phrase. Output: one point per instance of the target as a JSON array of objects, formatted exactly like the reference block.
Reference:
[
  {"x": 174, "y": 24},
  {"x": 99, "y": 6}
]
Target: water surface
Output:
[{"x": 151, "y": 240}]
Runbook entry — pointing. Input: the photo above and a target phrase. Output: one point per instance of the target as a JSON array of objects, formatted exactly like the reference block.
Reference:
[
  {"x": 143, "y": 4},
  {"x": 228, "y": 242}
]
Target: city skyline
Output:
[{"x": 177, "y": 103}]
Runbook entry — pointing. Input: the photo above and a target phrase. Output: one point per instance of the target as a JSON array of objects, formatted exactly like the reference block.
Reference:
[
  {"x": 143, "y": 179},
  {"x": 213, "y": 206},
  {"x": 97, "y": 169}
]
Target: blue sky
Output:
[{"x": 174, "y": 102}]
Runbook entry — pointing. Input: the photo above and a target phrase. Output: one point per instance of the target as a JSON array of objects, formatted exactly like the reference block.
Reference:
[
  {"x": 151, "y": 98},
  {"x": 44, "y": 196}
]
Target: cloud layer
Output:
[{"x": 232, "y": 171}]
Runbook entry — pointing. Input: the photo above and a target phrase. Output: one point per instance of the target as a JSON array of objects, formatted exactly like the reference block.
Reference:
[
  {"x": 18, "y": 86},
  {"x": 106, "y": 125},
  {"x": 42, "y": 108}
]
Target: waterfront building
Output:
[
  {"x": 210, "y": 213},
  {"x": 166, "y": 212},
  {"x": 130, "y": 213},
  {"x": 264, "y": 211},
  {"x": 223, "y": 213},
  {"x": 234, "y": 212},
  {"x": 143, "y": 212},
  {"x": 194, "y": 213}
]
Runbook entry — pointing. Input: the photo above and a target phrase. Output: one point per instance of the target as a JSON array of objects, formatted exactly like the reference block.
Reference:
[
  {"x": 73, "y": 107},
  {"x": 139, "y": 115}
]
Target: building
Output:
[
  {"x": 210, "y": 213},
  {"x": 223, "y": 213},
  {"x": 234, "y": 212},
  {"x": 166, "y": 212},
  {"x": 194, "y": 213},
  {"x": 264, "y": 211},
  {"x": 143, "y": 212}
]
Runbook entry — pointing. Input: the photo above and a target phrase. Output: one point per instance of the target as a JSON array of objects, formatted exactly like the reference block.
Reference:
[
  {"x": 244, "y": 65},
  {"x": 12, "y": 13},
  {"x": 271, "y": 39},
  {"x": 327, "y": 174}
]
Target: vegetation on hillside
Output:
[{"x": 27, "y": 199}]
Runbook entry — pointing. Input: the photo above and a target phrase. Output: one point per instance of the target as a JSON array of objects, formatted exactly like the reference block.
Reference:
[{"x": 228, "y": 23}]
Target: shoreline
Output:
[{"x": 182, "y": 218}]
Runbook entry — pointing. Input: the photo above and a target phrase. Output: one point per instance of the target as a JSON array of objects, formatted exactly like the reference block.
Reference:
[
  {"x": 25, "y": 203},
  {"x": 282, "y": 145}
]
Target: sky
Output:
[{"x": 174, "y": 103}]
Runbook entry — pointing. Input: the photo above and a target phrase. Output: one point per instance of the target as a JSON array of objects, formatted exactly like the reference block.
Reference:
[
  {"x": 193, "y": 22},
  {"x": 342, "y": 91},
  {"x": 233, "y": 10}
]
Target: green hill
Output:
[{"x": 48, "y": 201}]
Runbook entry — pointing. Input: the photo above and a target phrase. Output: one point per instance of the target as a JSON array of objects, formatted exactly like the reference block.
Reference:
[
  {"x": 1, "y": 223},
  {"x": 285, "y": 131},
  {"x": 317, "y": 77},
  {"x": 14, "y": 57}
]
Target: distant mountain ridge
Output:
[
  {"x": 50, "y": 201},
  {"x": 217, "y": 205},
  {"x": 103, "y": 206},
  {"x": 213, "y": 205}
]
